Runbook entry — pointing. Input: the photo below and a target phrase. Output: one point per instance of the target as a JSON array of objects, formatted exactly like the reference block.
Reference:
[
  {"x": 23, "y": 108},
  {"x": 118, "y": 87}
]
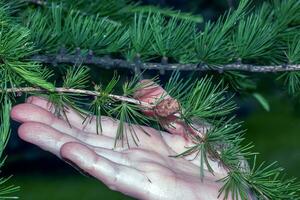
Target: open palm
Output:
[{"x": 146, "y": 171}]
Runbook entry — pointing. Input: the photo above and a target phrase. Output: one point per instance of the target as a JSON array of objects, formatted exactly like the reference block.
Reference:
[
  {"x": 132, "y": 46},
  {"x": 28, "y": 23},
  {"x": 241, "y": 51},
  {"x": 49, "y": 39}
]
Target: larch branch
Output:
[
  {"x": 109, "y": 63},
  {"x": 79, "y": 91}
]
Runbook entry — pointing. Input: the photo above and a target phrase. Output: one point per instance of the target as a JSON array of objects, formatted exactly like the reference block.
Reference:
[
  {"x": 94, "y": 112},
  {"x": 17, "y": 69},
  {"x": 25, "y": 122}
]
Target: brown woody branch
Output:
[
  {"x": 107, "y": 62},
  {"x": 62, "y": 90},
  {"x": 79, "y": 91}
]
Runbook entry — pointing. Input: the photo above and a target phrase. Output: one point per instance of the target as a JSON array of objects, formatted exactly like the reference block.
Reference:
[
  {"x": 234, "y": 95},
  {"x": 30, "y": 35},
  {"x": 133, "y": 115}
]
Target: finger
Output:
[
  {"x": 178, "y": 140},
  {"x": 151, "y": 92},
  {"x": 52, "y": 140},
  {"x": 109, "y": 125},
  {"x": 32, "y": 113},
  {"x": 113, "y": 155},
  {"x": 165, "y": 110},
  {"x": 44, "y": 137},
  {"x": 130, "y": 157},
  {"x": 117, "y": 177}
]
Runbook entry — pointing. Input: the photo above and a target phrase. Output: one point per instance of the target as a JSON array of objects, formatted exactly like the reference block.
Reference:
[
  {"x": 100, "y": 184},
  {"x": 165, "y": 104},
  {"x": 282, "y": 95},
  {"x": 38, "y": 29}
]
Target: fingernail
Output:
[{"x": 71, "y": 163}]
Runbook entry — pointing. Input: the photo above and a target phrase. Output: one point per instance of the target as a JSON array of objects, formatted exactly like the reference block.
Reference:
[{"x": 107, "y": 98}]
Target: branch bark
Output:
[
  {"x": 78, "y": 91},
  {"x": 107, "y": 62}
]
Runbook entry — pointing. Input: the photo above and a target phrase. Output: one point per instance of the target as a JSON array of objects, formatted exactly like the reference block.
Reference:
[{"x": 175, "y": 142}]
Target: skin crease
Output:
[{"x": 145, "y": 171}]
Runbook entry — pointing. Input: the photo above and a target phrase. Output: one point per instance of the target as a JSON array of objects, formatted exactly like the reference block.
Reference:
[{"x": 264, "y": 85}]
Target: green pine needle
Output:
[
  {"x": 265, "y": 181},
  {"x": 173, "y": 37},
  {"x": 238, "y": 81},
  {"x": 254, "y": 38},
  {"x": 177, "y": 87},
  {"x": 292, "y": 81},
  {"x": 140, "y": 37},
  {"x": 14, "y": 43},
  {"x": 77, "y": 78},
  {"x": 168, "y": 12},
  {"x": 206, "y": 101},
  {"x": 122, "y": 29},
  {"x": 102, "y": 104},
  {"x": 129, "y": 117},
  {"x": 32, "y": 73},
  {"x": 293, "y": 53},
  {"x": 5, "y": 191}
]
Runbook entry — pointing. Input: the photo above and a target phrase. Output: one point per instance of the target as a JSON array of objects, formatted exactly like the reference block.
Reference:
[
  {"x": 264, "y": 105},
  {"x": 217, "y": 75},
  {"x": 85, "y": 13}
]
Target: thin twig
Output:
[
  {"x": 144, "y": 105},
  {"x": 79, "y": 91},
  {"x": 109, "y": 63}
]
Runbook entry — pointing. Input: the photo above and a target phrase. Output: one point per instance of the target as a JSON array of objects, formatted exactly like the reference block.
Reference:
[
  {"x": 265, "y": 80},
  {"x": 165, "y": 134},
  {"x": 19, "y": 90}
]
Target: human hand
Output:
[{"x": 145, "y": 171}]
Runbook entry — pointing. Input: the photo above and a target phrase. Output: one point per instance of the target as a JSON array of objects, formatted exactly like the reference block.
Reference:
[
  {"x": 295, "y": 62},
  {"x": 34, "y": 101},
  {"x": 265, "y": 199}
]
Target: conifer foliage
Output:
[{"x": 39, "y": 38}]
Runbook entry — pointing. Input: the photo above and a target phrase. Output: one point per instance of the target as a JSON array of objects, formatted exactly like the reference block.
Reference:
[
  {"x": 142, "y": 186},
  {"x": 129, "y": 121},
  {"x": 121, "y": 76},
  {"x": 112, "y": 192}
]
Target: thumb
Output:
[
  {"x": 164, "y": 107},
  {"x": 150, "y": 92}
]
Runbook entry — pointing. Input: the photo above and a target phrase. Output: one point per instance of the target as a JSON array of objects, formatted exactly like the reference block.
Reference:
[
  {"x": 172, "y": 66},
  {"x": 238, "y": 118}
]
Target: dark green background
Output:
[{"x": 276, "y": 135}]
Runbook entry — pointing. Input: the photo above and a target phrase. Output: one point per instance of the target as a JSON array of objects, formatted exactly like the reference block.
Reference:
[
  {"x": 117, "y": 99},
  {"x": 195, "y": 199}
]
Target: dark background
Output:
[{"x": 276, "y": 135}]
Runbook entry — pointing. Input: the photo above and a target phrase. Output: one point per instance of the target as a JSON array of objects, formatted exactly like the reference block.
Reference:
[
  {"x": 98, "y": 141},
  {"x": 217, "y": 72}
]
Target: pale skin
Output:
[{"x": 145, "y": 171}]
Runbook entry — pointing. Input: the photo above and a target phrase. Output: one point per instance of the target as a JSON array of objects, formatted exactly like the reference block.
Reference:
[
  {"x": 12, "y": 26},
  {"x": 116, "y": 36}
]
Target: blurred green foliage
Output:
[
  {"x": 276, "y": 134},
  {"x": 63, "y": 187}
]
